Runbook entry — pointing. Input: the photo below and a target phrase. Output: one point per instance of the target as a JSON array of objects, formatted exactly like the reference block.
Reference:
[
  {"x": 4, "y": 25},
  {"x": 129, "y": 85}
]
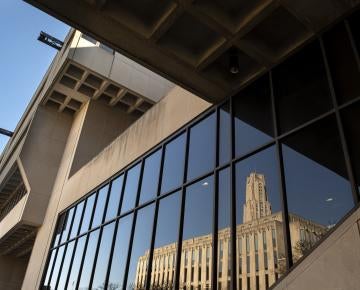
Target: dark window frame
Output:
[{"x": 276, "y": 141}]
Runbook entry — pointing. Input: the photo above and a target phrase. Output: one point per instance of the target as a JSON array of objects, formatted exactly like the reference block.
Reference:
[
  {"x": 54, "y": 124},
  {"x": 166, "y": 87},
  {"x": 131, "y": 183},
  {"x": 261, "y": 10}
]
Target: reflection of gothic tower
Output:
[{"x": 256, "y": 204}]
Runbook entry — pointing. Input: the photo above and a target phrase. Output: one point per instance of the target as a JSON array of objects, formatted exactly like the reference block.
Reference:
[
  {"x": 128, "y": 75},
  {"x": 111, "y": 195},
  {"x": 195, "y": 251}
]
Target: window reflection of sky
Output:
[
  {"x": 310, "y": 185},
  {"x": 198, "y": 208}
]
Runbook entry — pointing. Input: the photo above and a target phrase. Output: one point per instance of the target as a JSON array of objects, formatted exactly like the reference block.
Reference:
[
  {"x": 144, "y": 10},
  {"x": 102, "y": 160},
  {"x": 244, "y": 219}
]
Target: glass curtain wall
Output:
[{"x": 235, "y": 198}]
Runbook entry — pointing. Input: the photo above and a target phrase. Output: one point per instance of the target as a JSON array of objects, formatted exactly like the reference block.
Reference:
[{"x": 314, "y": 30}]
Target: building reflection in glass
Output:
[{"x": 260, "y": 256}]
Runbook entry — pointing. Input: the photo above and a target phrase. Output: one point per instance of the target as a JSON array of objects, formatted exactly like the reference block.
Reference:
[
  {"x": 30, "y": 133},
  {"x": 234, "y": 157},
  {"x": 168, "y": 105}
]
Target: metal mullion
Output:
[
  {"x": 138, "y": 192},
  {"x": 284, "y": 206},
  {"x": 81, "y": 218},
  {"x": 61, "y": 265},
  {"x": 129, "y": 250},
  {"x": 281, "y": 174},
  {"x": 82, "y": 260},
  {"x": 233, "y": 233},
  {"x": 273, "y": 106},
  {"x": 87, "y": 238},
  {"x": 153, "y": 236},
  {"x": 253, "y": 152},
  {"x": 72, "y": 222},
  {"x": 52, "y": 267},
  {"x": 215, "y": 198},
  {"x": 80, "y": 222},
  {"x": 95, "y": 258},
  {"x": 122, "y": 193},
  {"x": 107, "y": 201},
  {"x": 76, "y": 242},
  {"x": 349, "y": 103},
  {"x": 71, "y": 263},
  {"x": 352, "y": 42},
  {"x": 215, "y": 202},
  {"x": 142, "y": 161},
  {"x": 59, "y": 245},
  {"x": 306, "y": 124},
  {"x": 62, "y": 228},
  {"x": 53, "y": 248},
  {"x": 66, "y": 243},
  {"x": 182, "y": 213},
  {"x": 340, "y": 128},
  {"x": 111, "y": 253},
  {"x": 217, "y": 137}
]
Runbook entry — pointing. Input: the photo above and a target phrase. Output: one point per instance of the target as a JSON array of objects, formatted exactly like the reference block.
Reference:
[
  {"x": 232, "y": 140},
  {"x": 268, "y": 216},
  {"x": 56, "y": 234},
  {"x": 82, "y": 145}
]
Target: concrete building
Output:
[
  {"x": 113, "y": 164},
  {"x": 260, "y": 250},
  {"x": 110, "y": 91}
]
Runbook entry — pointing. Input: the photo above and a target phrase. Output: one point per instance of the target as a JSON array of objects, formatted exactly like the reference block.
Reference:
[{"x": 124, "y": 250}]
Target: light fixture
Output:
[
  {"x": 205, "y": 183},
  {"x": 233, "y": 61},
  {"x": 329, "y": 199}
]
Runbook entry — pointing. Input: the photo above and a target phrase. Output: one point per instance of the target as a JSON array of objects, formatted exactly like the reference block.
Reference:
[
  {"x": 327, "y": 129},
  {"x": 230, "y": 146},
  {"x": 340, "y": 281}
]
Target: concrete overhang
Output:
[
  {"x": 190, "y": 41},
  {"x": 88, "y": 70}
]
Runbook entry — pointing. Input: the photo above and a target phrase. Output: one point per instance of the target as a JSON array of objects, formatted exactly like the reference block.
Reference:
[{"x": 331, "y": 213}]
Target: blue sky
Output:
[{"x": 23, "y": 59}]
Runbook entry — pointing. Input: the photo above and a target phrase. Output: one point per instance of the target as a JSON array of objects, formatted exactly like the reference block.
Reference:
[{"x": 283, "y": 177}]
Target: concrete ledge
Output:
[
  {"x": 172, "y": 112},
  {"x": 333, "y": 265}
]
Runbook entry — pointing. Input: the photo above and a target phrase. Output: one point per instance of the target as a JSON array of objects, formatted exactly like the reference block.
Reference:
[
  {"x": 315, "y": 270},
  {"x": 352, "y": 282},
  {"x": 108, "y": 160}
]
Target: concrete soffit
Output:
[{"x": 190, "y": 42}]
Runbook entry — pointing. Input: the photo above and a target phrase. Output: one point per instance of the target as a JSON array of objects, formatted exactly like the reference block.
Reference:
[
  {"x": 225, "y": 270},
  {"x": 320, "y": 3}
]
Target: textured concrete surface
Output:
[
  {"x": 172, "y": 112},
  {"x": 333, "y": 265}
]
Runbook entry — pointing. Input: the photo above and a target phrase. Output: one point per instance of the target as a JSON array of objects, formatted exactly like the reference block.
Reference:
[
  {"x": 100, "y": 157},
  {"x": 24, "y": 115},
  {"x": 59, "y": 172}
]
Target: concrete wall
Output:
[
  {"x": 333, "y": 265},
  {"x": 40, "y": 158},
  {"x": 119, "y": 68},
  {"x": 101, "y": 126},
  {"x": 12, "y": 271},
  {"x": 13, "y": 217},
  {"x": 158, "y": 123},
  {"x": 172, "y": 112}
]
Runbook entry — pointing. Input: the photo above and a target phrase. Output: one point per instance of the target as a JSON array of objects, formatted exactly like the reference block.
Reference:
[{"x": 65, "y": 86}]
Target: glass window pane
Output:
[
  {"x": 354, "y": 22},
  {"x": 253, "y": 123},
  {"x": 65, "y": 268},
  {"x": 197, "y": 229},
  {"x": 351, "y": 118},
  {"x": 59, "y": 229},
  {"x": 318, "y": 191},
  {"x": 224, "y": 239},
  {"x": 224, "y": 134},
  {"x": 202, "y": 147},
  {"x": 75, "y": 268},
  {"x": 77, "y": 218},
  {"x": 85, "y": 223},
  {"x": 89, "y": 260},
  {"x": 141, "y": 243},
  {"x": 150, "y": 177},
  {"x": 173, "y": 170},
  {"x": 67, "y": 225},
  {"x": 114, "y": 198},
  {"x": 120, "y": 253},
  {"x": 102, "y": 261},
  {"x": 343, "y": 66},
  {"x": 100, "y": 206},
  {"x": 131, "y": 188},
  {"x": 49, "y": 267},
  {"x": 301, "y": 88},
  {"x": 258, "y": 207},
  {"x": 165, "y": 247},
  {"x": 57, "y": 265}
]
